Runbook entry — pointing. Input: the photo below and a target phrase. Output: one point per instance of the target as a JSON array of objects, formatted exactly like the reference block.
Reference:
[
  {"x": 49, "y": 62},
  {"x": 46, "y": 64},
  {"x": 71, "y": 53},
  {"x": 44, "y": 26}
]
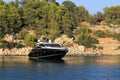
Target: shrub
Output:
[
  {"x": 29, "y": 40},
  {"x": 116, "y": 36},
  {"x": 118, "y": 48},
  {"x": 100, "y": 47},
  {"x": 10, "y": 45},
  {"x": 100, "y": 34}
]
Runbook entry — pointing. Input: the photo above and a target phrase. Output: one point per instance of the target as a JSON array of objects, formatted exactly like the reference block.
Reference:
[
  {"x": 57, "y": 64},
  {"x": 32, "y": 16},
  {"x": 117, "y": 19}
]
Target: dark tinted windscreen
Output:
[{"x": 52, "y": 45}]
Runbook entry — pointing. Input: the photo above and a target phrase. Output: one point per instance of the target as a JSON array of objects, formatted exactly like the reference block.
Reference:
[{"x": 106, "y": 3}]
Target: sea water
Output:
[{"x": 70, "y": 68}]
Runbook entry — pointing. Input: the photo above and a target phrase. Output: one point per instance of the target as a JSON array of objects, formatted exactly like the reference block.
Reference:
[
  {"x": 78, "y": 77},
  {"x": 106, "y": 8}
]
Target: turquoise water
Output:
[{"x": 71, "y": 68}]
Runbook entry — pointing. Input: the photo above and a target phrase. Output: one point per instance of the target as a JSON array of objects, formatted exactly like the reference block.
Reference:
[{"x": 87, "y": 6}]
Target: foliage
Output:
[
  {"x": 103, "y": 33},
  {"x": 97, "y": 18},
  {"x": 116, "y": 36},
  {"x": 10, "y": 19},
  {"x": 112, "y": 14},
  {"x": 100, "y": 34},
  {"x": 29, "y": 40},
  {"x": 49, "y": 18},
  {"x": 84, "y": 37},
  {"x": 10, "y": 45},
  {"x": 81, "y": 11},
  {"x": 100, "y": 47},
  {"x": 118, "y": 48},
  {"x": 46, "y": 17},
  {"x": 22, "y": 33}
]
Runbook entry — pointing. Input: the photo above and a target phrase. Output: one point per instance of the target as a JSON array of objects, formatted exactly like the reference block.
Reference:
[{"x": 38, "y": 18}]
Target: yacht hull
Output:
[{"x": 47, "y": 53}]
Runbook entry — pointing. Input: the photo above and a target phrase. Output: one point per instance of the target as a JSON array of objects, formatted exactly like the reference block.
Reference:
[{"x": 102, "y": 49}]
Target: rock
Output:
[
  {"x": 64, "y": 40},
  {"x": 59, "y": 41},
  {"x": 8, "y": 38},
  {"x": 1, "y": 51},
  {"x": 16, "y": 52},
  {"x": 76, "y": 50}
]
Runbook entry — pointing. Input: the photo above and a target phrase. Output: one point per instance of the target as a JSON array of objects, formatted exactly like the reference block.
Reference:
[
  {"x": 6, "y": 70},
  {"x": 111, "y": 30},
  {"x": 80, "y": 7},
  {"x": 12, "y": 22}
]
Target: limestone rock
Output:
[
  {"x": 64, "y": 40},
  {"x": 8, "y": 38}
]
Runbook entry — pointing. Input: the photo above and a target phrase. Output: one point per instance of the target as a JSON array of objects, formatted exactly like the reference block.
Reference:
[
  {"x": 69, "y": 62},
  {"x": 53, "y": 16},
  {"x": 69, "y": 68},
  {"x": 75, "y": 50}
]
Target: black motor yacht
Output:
[{"x": 48, "y": 50}]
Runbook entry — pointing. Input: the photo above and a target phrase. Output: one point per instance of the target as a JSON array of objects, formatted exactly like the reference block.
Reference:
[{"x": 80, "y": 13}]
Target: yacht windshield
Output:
[{"x": 52, "y": 45}]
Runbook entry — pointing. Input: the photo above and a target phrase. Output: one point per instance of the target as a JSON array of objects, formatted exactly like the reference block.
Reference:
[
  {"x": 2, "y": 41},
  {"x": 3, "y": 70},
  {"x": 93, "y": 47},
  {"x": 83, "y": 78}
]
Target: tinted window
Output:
[{"x": 52, "y": 45}]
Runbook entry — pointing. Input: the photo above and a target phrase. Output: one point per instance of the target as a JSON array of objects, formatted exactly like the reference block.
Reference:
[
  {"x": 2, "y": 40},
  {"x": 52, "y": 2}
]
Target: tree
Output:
[
  {"x": 53, "y": 24},
  {"x": 81, "y": 14},
  {"x": 84, "y": 37},
  {"x": 1, "y": 32},
  {"x": 17, "y": 3},
  {"x": 67, "y": 24},
  {"x": 23, "y": 2},
  {"x": 45, "y": 17},
  {"x": 13, "y": 19},
  {"x": 31, "y": 13},
  {"x": 69, "y": 5},
  {"x": 2, "y": 2},
  {"x": 29, "y": 40},
  {"x": 97, "y": 18},
  {"x": 71, "y": 8},
  {"x": 3, "y": 18},
  {"x": 116, "y": 36},
  {"x": 112, "y": 14}
]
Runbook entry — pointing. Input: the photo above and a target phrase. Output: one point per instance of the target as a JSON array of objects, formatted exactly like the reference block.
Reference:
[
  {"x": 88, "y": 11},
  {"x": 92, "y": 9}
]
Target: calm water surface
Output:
[{"x": 71, "y": 68}]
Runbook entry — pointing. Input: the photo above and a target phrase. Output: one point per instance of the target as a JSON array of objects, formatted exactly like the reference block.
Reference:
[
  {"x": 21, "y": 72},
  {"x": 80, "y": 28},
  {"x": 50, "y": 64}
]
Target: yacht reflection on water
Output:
[
  {"x": 10, "y": 61},
  {"x": 47, "y": 60},
  {"x": 73, "y": 61}
]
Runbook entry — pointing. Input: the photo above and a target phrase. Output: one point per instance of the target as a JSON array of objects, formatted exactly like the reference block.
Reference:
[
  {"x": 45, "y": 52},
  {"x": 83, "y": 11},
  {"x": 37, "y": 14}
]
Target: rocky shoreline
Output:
[
  {"x": 15, "y": 51},
  {"x": 72, "y": 51},
  {"x": 77, "y": 52},
  {"x": 106, "y": 46}
]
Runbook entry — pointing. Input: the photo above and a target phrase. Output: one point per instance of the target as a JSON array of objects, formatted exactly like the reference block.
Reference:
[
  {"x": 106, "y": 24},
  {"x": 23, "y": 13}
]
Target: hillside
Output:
[{"x": 23, "y": 22}]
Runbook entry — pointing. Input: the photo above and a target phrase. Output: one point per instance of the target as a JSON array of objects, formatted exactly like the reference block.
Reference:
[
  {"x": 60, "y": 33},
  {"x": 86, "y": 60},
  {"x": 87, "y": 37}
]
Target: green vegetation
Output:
[
  {"x": 118, "y": 48},
  {"x": 10, "y": 45},
  {"x": 97, "y": 18},
  {"x": 49, "y": 18},
  {"x": 100, "y": 34},
  {"x": 103, "y": 33},
  {"x": 29, "y": 40},
  {"x": 46, "y": 17},
  {"x": 116, "y": 36},
  {"x": 85, "y": 37},
  {"x": 100, "y": 47},
  {"x": 112, "y": 15}
]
